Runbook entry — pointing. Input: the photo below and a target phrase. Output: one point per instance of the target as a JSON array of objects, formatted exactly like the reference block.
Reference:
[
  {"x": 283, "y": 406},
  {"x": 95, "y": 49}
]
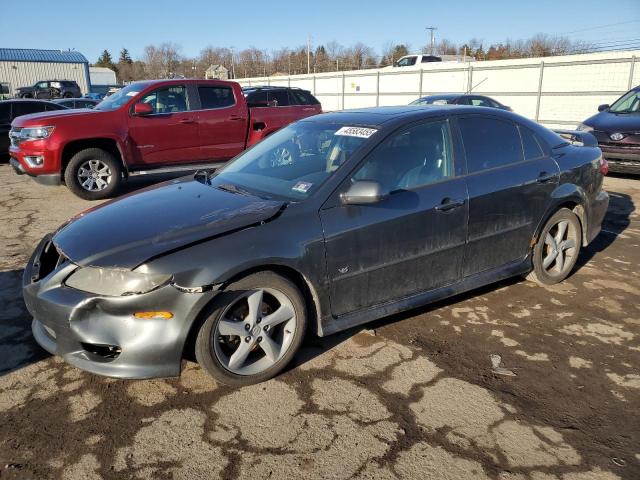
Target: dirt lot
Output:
[{"x": 413, "y": 397}]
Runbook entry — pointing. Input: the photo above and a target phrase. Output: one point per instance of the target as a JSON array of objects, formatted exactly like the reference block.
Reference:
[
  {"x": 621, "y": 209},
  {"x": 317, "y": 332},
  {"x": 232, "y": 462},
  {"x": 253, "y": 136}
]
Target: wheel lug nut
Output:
[
  {"x": 247, "y": 326},
  {"x": 259, "y": 339},
  {"x": 265, "y": 328},
  {"x": 258, "y": 320},
  {"x": 247, "y": 339}
]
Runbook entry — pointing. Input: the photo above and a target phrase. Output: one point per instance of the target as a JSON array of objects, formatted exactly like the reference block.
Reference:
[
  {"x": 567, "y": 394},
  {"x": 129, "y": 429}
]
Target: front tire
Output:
[
  {"x": 253, "y": 330},
  {"x": 93, "y": 174},
  {"x": 557, "y": 248}
]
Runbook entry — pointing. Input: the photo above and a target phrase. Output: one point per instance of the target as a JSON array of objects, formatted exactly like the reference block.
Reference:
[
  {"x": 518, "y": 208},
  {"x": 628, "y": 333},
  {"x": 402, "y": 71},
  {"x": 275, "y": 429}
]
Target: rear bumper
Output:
[
  {"x": 596, "y": 216},
  {"x": 99, "y": 334}
]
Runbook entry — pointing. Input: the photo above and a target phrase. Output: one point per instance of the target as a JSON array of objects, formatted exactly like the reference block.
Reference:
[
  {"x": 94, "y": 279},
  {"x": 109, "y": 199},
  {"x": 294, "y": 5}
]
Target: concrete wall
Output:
[
  {"x": 556, "y": 91},
  {"x": 24, "y": 74}
]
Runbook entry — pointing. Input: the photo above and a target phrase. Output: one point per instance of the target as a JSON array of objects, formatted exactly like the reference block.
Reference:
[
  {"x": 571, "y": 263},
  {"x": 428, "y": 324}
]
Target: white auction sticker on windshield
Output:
[
  {"x": 132, "y": 93},
  {"x": 360, "y": 132},
  {"x": 302, "y": 187}
]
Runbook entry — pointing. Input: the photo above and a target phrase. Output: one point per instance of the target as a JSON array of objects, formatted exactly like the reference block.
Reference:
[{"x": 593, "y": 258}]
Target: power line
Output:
[{"x": 601, "y": 26}]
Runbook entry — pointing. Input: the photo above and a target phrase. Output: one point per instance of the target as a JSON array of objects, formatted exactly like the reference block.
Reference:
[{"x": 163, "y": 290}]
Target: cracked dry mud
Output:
[{"x": 415, "y": 400}]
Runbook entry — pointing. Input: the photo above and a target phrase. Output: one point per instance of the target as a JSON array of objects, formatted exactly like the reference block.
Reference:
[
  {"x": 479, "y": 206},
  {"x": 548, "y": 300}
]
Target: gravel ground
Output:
[{"x": 413, "y": 396}]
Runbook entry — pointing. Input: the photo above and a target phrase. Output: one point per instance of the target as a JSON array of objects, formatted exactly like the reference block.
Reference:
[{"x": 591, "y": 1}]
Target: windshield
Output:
[
  {"x": 628, "y": 103},
  {"x": 121, "y": 97},
  {"x": 292, "y": 163},
  {"x": 433, "y": 100}
]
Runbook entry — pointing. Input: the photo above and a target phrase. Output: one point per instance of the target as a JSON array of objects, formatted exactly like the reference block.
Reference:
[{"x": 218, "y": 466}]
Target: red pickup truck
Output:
[{"x": 149, "y": 126}]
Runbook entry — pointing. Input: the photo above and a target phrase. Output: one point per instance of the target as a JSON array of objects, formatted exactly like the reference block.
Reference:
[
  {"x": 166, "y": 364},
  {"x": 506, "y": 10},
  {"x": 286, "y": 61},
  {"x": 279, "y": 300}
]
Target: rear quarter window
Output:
[
  {"x": 302, "y": 97},
  {"x": 530, "y": 144},
  {"x": 490, "y": 143}
]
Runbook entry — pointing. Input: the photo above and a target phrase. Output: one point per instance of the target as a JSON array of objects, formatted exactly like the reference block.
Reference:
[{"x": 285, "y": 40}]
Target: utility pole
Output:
[
  {"x": 432, "y": 39},
  {"x": 308, "y": 54},
  {"x": 233, "y": 67}
]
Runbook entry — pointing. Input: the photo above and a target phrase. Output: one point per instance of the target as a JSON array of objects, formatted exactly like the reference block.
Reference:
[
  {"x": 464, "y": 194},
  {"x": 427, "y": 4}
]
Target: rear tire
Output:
[
  {"x": 67, "y": 95},
  {"x": 238, "y": 348},
  {"x": 93, "y": 174},
  {"x": 557, "y": 248}
]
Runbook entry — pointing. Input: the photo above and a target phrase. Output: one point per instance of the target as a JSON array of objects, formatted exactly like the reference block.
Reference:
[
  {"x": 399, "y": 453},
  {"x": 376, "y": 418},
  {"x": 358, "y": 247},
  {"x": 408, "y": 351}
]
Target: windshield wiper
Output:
[{"x": 230, "y": 187}]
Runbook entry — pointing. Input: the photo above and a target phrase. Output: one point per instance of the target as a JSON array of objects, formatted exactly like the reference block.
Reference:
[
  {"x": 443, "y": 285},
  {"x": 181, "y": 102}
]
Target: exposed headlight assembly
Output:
[
  {"x": 584, "y": 128},
  {"x": 35, "y": 133},
  {"x": 114, "y": 283}
]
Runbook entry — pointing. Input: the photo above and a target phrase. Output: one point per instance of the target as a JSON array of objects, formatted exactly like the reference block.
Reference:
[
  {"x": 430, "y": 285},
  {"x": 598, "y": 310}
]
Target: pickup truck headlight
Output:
[
  {"x": 584, "y": 128},
  {"x": 114, "y": 283},
  {"x": 35, "y": 133}
]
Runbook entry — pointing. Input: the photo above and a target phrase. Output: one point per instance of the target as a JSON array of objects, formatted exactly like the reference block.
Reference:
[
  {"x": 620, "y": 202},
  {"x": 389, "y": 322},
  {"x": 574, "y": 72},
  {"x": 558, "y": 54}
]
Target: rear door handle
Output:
[
  {"x": 544, "y": 177},
  {"x": 449, "y": 204},
  {"x": 236, "y": 117},
  {"x": 186, "y": 120}
]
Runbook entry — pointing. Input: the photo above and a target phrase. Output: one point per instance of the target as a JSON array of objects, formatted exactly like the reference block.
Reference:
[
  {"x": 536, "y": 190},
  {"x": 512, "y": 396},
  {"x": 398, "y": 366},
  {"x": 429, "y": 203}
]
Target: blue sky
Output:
[{"x": 91, "y": 27}]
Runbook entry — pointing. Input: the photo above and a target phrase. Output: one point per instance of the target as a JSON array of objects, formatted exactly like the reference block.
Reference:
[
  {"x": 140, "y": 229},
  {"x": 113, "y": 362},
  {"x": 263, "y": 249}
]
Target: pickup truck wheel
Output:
[
  {"x": 253, "y": 330},
  {"x": 93, "y": 174},
  {"x": 556, "y": 251}
]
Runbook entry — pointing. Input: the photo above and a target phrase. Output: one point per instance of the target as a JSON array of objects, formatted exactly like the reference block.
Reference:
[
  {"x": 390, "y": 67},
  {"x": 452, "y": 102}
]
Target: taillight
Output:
[{"x": 604, "y": 166}]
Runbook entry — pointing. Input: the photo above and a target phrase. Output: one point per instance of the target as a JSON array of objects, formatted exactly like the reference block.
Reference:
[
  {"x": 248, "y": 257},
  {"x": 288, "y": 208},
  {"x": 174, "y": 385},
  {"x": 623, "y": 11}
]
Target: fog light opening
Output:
[
  {"x": 34, "y": 161},
  {"x": 153, "y": 315},
  {"x": 104, "y": 351}
]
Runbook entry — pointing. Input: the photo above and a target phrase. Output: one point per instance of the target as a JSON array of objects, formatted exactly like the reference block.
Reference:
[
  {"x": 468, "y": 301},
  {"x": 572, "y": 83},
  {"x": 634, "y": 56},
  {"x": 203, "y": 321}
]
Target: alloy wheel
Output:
[
  {"x": 94, "y": 175},
  {"x": 560, "y": 248},
  {"x": 255, "y": 331}
]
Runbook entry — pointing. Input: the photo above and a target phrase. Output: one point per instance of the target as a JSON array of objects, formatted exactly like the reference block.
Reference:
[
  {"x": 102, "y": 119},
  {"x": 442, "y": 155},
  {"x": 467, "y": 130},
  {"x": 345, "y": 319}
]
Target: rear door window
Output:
[
  {"x": 489, "y": 142},
  {"x": 530, "y": 144},
  {"x": 257, "y": 98},
  {"x": 302, "y": 97},
  {"x": 25, "y": 108},
  {"x": 215, "y": 97},
  {"x": 278, "y": 98},
  {"x": 5, "y": 112}
]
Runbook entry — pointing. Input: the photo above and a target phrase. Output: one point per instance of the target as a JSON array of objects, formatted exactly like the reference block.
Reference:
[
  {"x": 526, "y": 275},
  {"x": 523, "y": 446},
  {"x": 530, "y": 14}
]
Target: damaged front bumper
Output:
[{"x": 100, "y": 334}]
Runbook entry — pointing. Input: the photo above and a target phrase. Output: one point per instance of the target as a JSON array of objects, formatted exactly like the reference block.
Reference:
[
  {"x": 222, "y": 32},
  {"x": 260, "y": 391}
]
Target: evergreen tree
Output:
[
  {"x": 105, "y": 60},
  {"x": 125, "y": 57}
]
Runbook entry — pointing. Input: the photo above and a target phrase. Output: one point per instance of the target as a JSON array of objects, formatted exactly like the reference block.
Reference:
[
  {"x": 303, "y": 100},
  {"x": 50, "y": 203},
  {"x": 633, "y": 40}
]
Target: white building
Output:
[{"x": 102, "y": 76}]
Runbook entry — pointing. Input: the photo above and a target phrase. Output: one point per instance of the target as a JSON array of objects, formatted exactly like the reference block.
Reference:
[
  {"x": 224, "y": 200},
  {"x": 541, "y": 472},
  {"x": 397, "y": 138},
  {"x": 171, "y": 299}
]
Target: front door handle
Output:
[
  {"x": 186, "y": 120},
  {"x": 236, "y": 117},
  {"x": 449, "y": 204},
  {"x": 544, "y": 177}
]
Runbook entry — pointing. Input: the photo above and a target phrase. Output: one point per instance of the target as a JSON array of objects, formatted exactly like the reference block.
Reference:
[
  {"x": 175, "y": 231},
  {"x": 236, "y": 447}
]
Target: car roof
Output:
[
  {"x": 391, "y": 117},
  {"x": 28, "y": 100}
]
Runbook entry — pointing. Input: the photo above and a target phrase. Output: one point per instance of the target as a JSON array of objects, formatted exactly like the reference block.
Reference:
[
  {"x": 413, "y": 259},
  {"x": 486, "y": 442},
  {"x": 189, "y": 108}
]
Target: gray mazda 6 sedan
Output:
[{"x": 334, "y": 221}]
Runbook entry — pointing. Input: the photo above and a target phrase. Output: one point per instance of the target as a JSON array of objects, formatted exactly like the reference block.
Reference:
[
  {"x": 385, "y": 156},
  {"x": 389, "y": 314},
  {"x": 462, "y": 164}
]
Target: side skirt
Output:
[{"x": 481, "y": 279}]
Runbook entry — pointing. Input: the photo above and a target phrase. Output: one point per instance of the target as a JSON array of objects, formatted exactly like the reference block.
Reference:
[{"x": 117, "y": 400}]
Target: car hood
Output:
[
  {"x": 126, "y": 232},
  {"x": 51, "y": 116},
  {"x": 615, "y": 122}
]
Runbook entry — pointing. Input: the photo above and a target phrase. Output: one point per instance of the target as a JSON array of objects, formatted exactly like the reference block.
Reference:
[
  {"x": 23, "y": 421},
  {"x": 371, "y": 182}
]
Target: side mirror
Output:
[
  {"x": 363, "y": 192},
  {"x": 142, "y": 109},
  {"x": 603, "y": 107}
]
